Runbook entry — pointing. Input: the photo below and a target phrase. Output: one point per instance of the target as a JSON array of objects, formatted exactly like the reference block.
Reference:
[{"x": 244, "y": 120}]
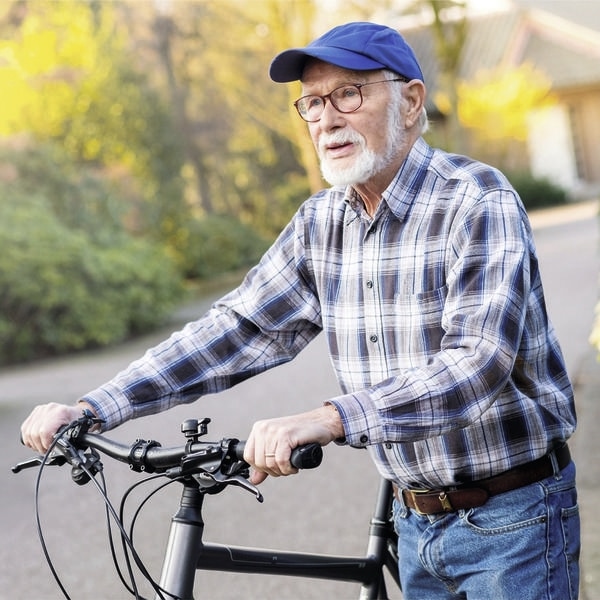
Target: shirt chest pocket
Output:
[{"x": 417, "y": 322}]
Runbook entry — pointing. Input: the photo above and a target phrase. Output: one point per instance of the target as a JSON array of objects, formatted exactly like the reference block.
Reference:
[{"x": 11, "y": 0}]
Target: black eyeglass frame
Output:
[{"x": 329, "y": 97}]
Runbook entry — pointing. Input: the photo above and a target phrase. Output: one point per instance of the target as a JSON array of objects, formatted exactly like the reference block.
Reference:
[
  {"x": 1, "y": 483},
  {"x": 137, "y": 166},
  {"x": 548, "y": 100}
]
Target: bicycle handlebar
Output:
[
  {"x": 195, "y": 456},
  {"x": 152, "y": 457}
]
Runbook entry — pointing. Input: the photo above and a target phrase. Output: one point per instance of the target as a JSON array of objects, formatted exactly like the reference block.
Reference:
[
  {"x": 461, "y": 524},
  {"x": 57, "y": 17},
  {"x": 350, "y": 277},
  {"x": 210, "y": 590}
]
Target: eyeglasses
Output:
[{"x": 345, "y": 99}]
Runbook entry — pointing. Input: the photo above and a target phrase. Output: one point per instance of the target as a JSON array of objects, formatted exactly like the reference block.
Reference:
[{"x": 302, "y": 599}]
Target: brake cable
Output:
[{"x": 81, "y": 474}]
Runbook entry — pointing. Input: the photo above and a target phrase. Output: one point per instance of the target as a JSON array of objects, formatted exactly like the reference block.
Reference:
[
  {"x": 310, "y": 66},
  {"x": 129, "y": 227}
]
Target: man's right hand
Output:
[{"x": 38, "y": 429}]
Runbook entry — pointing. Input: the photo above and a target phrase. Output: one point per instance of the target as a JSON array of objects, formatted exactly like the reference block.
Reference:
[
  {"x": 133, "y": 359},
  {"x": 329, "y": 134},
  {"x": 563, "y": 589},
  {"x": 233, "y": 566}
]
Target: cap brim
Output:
[{"x": 289, "y": 65}]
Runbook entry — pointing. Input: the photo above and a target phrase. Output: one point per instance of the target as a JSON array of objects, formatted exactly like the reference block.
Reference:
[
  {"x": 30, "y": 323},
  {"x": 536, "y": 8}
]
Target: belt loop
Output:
[
  {"x": 554, "y": 463},
  {"x": 399, "y": 498}
]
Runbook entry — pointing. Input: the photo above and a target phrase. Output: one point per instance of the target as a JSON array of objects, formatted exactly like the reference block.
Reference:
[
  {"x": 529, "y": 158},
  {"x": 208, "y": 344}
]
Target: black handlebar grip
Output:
[
  {"x": 307, "y": 457},
  {"x": 302, "y": 457}
]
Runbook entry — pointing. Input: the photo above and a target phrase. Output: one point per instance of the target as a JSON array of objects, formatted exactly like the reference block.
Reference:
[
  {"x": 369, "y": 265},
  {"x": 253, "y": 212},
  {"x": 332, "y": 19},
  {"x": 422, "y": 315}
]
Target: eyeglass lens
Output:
[{"x": 345, "y": 99}]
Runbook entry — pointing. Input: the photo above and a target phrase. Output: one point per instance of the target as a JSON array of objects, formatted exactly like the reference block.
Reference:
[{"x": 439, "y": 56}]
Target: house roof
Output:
[
  {"x": 583, "y": 12},
  {"x": 568, "y": 53}
]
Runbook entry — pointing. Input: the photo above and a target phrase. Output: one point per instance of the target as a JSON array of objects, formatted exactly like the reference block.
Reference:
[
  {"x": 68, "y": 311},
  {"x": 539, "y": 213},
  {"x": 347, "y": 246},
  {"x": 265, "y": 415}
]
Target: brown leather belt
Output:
[{"x": 431, "y": 502}]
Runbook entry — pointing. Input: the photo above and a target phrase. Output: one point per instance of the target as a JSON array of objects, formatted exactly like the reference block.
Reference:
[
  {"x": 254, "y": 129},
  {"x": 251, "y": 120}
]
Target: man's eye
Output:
[
  {"x": 313, "y": 102},
  {"x": 349, "y": 92}
]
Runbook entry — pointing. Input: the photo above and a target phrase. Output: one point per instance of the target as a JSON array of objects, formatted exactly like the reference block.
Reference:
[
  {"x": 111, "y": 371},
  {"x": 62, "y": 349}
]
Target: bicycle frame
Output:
[{"x": 186, "y": 553}]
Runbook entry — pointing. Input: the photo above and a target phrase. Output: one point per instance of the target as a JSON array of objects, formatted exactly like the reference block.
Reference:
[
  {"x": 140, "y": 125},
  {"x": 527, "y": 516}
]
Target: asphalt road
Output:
[{"x": 326, "y": 510}]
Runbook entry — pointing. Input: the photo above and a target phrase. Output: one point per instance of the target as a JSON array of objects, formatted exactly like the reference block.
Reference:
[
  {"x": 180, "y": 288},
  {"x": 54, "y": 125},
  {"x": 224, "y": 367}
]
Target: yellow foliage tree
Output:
[
  {"x": 67, "y": 77},
  {"x": 46, "y": 70},
  {"x": 495, "y": 106}
]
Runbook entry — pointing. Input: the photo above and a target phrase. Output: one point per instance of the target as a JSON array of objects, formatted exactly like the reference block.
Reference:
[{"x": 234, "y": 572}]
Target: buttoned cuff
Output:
[{"x": 360, "y": 420}]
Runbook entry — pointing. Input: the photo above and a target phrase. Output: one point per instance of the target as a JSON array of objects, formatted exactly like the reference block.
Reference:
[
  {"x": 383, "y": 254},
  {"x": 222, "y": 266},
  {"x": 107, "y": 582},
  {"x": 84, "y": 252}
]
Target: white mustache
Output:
[{"x": 339, "y": 138}]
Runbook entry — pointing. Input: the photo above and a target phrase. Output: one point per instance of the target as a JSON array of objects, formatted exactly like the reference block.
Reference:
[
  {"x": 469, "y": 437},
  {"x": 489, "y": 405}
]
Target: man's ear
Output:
[{"x": 414, "y": 93}]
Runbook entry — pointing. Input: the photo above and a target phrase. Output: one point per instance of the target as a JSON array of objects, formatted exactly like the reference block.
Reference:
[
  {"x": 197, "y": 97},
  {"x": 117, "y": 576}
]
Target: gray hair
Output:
[{"x": 423, "y": 121}]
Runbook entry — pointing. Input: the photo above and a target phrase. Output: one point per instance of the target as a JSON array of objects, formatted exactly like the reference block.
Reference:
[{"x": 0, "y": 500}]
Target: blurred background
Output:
[
  {"x": 147, "y": 160},
  {"x": 144, "y": 152}
]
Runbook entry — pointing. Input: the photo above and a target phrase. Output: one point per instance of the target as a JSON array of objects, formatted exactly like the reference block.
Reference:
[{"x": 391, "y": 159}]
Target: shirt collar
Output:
[
  {"x": 405, "y": 186},
  {"x": 400, "y": 193}
]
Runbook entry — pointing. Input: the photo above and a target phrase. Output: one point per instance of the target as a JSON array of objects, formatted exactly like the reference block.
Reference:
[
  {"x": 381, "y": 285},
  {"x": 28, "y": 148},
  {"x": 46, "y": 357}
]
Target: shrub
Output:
[
  {"x": 79, "y": 197},
  {"x": 217, "y": 244},
  {"x": 537, "y": 192},
  {"x": 62, "y": 289}
]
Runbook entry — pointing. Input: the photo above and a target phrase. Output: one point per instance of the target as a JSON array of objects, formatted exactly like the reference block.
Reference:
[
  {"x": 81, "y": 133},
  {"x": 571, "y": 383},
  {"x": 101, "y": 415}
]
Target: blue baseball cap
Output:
[{"x": 356, "y": 46}]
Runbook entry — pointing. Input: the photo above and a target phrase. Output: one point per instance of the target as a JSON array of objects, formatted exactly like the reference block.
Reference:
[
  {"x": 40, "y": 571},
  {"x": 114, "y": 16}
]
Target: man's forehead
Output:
[{"x": 316, "y": 71}]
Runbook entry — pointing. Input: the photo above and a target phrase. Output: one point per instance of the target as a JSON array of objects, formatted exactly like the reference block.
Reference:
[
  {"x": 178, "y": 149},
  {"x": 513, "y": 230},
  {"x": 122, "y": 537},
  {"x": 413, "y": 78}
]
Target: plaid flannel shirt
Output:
[{"x": 434, "y": 313}]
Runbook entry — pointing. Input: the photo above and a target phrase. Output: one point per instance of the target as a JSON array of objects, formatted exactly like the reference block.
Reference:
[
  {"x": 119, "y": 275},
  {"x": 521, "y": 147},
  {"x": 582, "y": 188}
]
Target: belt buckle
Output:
[
  {"x": 442, "y": 497},
  {"x": 415, "y": 494}
]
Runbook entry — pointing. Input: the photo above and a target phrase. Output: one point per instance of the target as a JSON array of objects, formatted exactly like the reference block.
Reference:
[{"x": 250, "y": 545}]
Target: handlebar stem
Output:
[{"x": 138, "y": 455}]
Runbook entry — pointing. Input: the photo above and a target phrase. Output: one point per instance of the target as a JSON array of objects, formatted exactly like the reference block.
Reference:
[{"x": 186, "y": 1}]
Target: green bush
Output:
[
  {"x": 79, "y": 197},
  {"x": 218, "y": 244},
  {"x": 74, "y": 279},
  {"x": 537, "y": 192}
]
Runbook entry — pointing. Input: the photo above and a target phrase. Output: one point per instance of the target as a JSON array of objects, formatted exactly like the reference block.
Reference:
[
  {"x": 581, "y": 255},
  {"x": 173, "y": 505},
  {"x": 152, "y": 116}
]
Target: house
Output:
[{"x": 563, "y": 140}]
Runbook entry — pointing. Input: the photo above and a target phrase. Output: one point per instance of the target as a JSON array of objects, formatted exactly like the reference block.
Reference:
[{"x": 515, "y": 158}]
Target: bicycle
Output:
[{"x": 208, "y": 468}]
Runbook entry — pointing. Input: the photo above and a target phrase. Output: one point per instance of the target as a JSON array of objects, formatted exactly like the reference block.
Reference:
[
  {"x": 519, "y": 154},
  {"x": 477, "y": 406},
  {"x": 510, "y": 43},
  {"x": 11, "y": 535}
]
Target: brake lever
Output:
[
  {"x": 36, "y": 461},
  {"x": 208, "y": 480}
]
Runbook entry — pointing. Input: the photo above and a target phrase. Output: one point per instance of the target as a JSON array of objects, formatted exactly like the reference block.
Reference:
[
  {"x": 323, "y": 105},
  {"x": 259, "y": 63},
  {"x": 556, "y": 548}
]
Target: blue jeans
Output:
[{"x": 523, "y": 545}]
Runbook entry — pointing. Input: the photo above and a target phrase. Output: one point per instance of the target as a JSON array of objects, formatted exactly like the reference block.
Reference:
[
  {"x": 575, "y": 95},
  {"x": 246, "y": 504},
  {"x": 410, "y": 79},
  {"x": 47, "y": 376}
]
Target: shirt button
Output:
[
  {"x": 388, "y": 445},
  {"x": 369, "y": 284},
  {"x": 373, "y": 338},
  {"x": 364, "y": 439}
]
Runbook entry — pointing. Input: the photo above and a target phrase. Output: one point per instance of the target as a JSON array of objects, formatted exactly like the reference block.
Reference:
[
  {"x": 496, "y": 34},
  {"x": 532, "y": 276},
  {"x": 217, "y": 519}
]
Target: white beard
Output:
[{"x": 363, "y": 166}]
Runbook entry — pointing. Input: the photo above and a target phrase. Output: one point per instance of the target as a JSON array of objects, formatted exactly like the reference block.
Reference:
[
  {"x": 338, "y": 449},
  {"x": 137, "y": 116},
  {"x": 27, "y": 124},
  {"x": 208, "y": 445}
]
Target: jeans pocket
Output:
[{"x": 518, "y": 509}]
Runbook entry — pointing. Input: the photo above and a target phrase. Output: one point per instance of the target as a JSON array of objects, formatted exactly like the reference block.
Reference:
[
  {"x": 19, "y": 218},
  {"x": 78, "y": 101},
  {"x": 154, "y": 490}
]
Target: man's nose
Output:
[{"x": 331, "y": 117}]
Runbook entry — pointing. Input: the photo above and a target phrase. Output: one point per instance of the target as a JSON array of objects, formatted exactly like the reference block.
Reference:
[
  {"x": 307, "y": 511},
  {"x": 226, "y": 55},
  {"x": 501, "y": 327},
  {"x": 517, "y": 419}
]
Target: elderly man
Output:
[{"x": 420, "y": 268}]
